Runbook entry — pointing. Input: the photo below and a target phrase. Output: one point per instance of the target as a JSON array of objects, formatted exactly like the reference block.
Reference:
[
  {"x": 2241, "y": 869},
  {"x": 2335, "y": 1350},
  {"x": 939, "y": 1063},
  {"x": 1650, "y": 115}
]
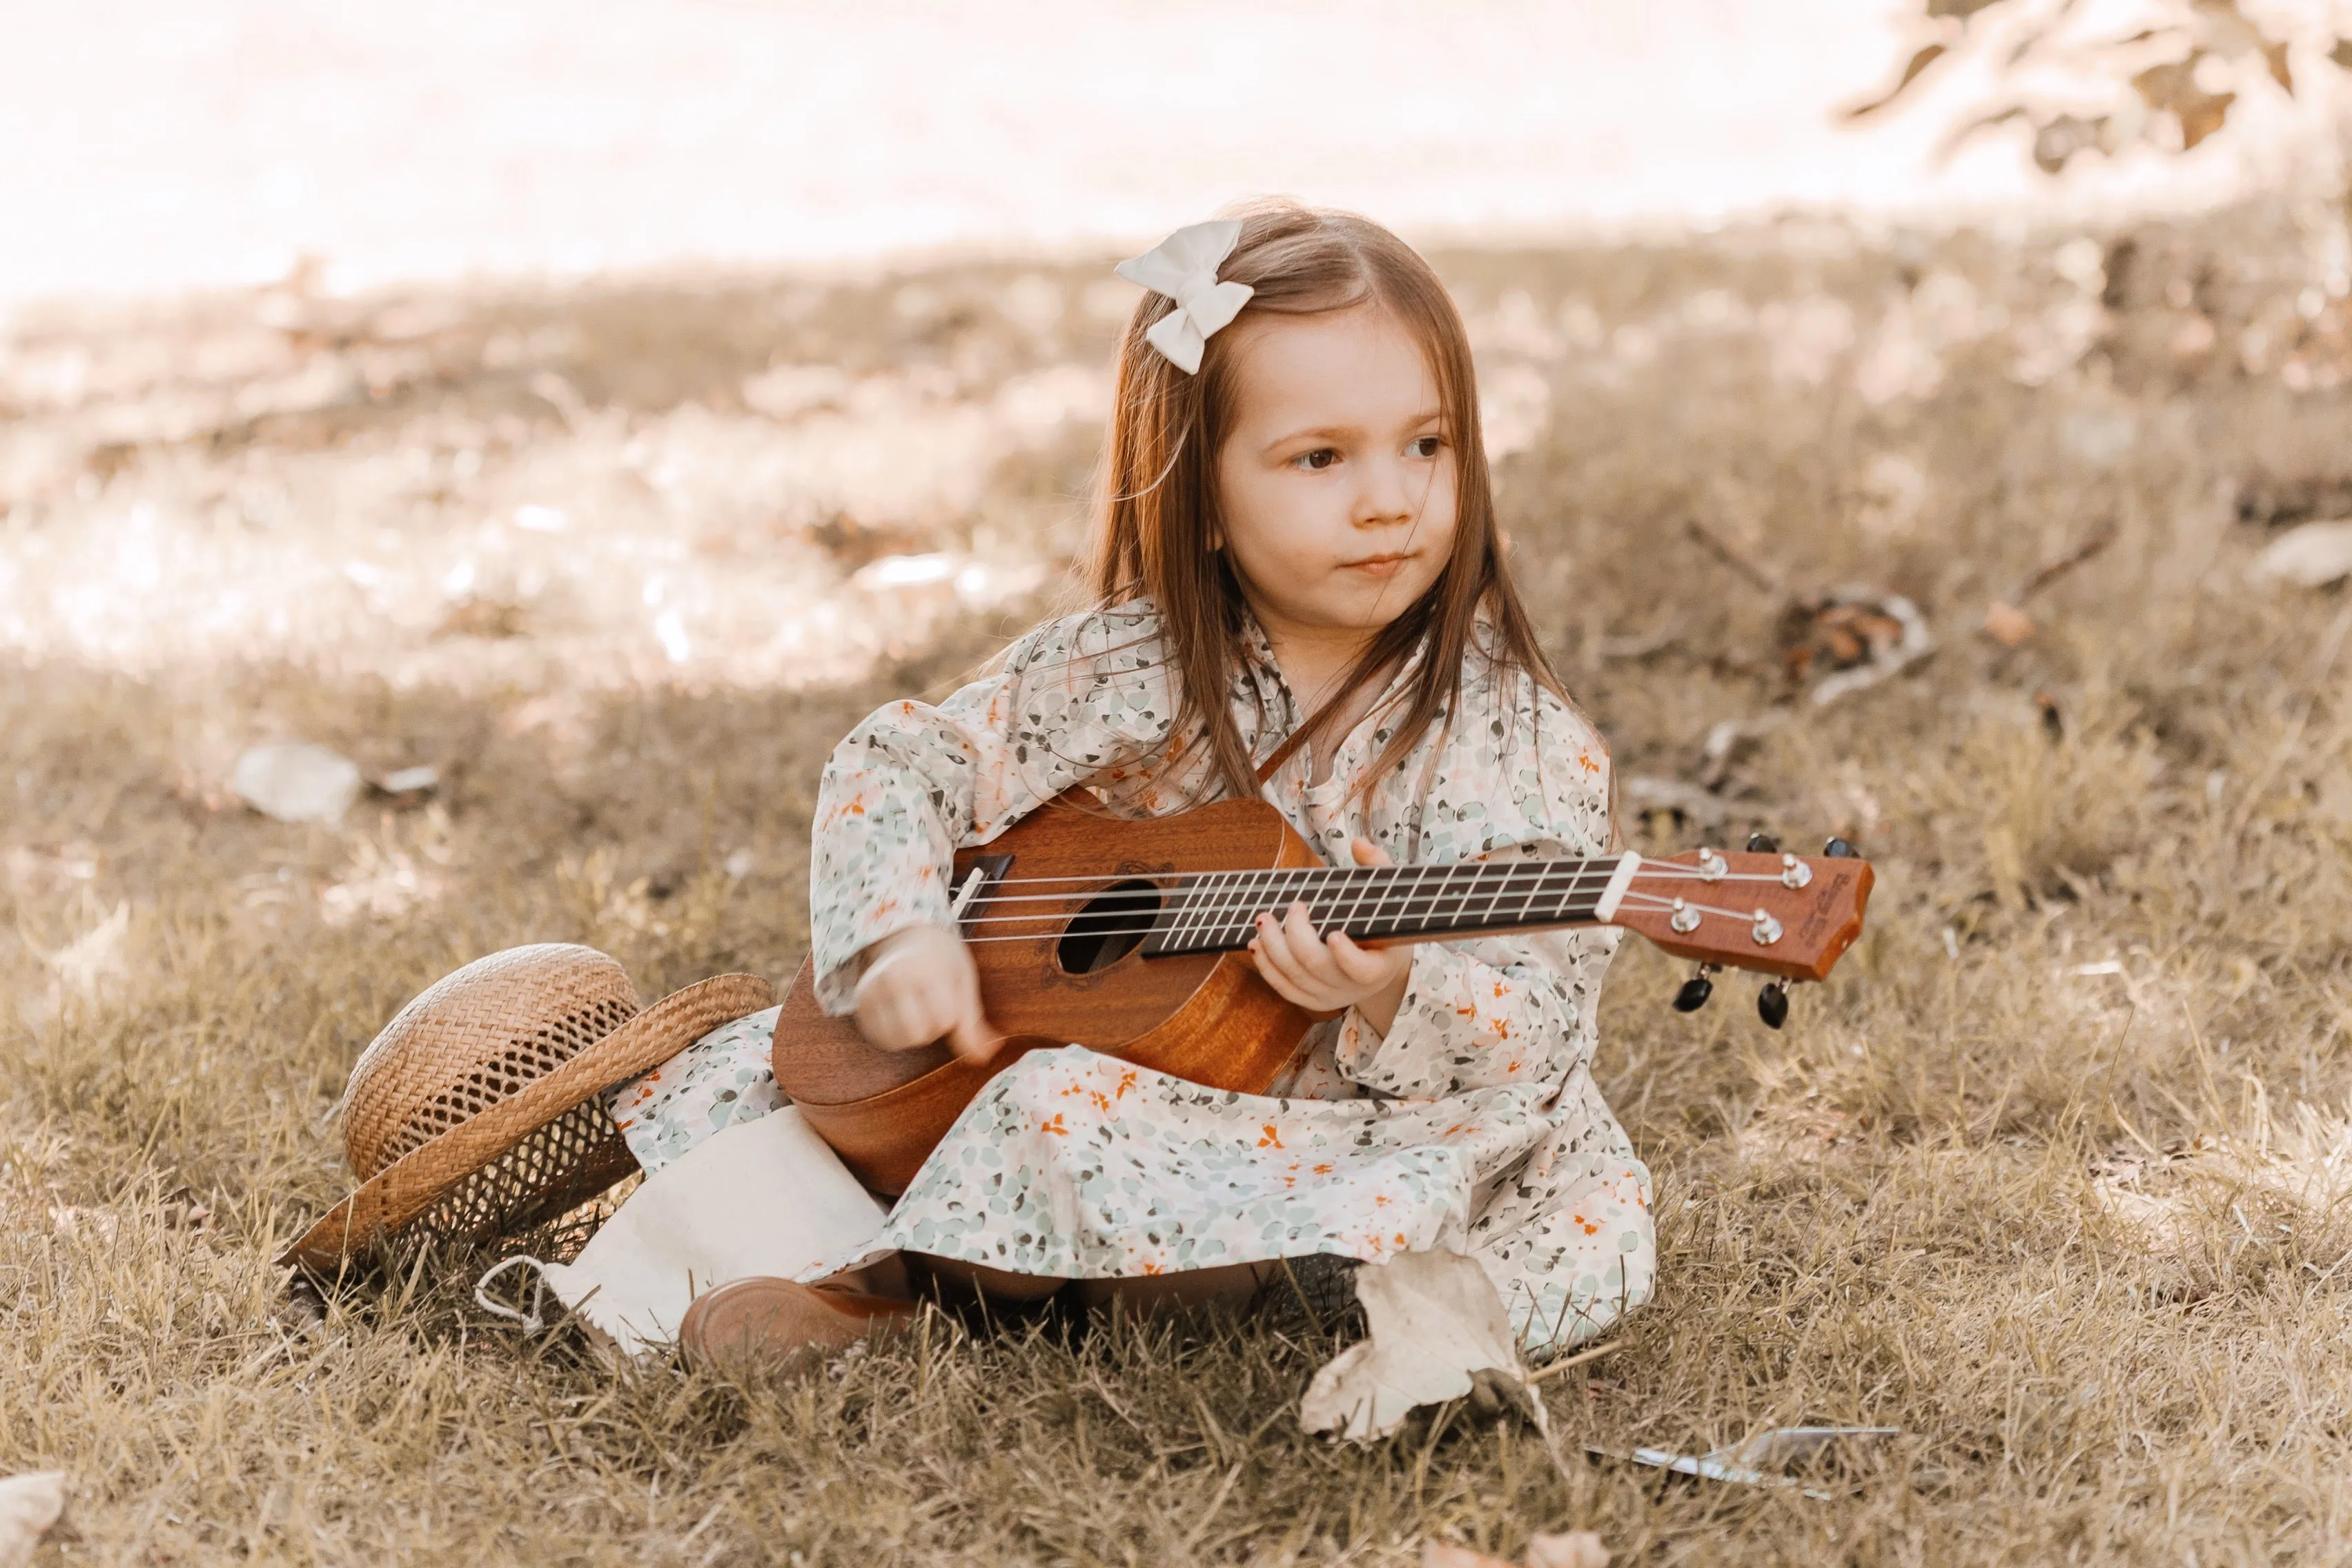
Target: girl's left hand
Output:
[{"x": 1330, "y": 974}]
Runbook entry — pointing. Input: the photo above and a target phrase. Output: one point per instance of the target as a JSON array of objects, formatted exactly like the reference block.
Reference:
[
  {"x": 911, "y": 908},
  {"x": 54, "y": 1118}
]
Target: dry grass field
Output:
[{"x": 2050, "y": 1176}]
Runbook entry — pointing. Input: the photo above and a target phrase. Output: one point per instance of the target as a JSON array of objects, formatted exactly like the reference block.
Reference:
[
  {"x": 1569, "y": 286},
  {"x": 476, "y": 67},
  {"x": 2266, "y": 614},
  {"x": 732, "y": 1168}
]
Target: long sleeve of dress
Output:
[{"x": 915, "y": 782}]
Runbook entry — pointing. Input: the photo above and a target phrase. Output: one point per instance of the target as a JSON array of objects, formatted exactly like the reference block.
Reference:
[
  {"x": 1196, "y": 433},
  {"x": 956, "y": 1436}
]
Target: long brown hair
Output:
[{"x": 1157, "y": 523}]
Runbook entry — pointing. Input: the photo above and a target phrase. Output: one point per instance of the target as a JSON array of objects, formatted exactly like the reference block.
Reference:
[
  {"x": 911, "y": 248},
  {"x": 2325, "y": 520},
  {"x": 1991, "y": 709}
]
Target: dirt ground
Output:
[{"x": 2049, "y": 1176}]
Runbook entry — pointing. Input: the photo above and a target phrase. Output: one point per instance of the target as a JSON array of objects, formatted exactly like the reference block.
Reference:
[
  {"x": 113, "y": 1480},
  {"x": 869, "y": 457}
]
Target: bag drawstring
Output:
[{"x": 530, "y": 1321}]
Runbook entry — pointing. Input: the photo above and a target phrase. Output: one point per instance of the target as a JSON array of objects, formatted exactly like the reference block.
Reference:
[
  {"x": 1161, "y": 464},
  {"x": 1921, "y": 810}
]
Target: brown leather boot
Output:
[{"x": 761, "y": 1320}]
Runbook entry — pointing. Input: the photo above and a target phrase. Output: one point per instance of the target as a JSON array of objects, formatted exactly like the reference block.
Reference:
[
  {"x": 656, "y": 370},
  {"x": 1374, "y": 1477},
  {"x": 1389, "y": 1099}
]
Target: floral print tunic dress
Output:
[{"x": 1473, "y": 1124}]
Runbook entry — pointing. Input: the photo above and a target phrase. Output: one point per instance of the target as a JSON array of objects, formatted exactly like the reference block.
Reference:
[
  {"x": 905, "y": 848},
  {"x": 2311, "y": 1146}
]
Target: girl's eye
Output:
[
  {"x": 1427, "y": 446},
  {"x": 1315, "y": 461}
]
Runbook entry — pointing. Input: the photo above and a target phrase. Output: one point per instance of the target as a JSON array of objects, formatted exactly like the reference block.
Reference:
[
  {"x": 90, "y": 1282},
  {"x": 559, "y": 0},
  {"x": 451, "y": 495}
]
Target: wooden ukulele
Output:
[{"x": 1130, "y": 937}]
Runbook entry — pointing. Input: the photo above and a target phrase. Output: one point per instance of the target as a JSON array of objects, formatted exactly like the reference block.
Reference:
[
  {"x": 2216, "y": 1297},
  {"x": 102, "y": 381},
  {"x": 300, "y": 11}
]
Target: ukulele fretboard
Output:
[{"x": 1216, "y": 911}]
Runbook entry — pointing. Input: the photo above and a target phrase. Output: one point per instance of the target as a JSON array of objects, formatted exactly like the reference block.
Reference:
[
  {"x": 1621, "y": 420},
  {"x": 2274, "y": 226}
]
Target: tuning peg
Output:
[
  {"x": 1695, "y": 989},
  {"x": 1762, "y": 844},
  {"x": 1839, "y": 849},
  {"x": 1772, "y": 1005}
]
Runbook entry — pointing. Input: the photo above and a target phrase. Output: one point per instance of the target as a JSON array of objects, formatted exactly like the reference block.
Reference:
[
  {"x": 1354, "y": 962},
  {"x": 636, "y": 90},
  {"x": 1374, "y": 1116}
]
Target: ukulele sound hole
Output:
[{"x": 1109, "y": 928}]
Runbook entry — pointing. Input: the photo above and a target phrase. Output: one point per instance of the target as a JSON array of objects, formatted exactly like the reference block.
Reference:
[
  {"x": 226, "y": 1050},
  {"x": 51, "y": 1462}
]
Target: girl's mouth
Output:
[{"x": 1380, "y": 565}]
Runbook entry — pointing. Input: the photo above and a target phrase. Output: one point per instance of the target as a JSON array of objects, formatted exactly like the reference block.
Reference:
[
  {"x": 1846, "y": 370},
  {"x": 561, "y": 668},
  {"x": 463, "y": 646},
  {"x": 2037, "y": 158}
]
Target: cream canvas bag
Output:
[{"x": 762, "y": 1197}]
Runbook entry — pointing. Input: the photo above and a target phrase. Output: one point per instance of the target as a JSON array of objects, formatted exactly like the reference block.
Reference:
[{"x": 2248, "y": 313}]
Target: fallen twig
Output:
[
  {"x": 2006, "y": 621},
  {"x": 2049, "y": 571},
  {"x": 1738, "y": 559},
  {"x": 1578, "y": 1359}
]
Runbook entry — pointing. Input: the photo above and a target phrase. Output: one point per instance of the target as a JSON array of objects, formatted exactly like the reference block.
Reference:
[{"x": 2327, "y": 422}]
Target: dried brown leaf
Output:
[
  {"x": 1438, "y": 1331},
  {"x": 1835, "y": 636}
]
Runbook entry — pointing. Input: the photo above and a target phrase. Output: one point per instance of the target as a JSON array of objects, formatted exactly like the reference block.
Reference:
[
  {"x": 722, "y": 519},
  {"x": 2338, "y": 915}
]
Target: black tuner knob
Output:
[
  {"x": 1763, "y": 844},
  {"x": 1772, "y": 1005},
  {"x": 1694, "y": 993},
  {"x": 1839, "y": 849}
]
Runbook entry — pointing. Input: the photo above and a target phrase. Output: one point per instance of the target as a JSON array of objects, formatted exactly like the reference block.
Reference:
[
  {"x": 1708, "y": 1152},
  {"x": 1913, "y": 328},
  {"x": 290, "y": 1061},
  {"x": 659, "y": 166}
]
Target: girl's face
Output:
[{"x": 1337, "y": 479}]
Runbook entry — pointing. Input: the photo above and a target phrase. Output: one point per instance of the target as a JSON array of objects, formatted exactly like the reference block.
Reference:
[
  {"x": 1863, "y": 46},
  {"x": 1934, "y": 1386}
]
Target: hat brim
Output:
[{"x": 396, "y": 1196}]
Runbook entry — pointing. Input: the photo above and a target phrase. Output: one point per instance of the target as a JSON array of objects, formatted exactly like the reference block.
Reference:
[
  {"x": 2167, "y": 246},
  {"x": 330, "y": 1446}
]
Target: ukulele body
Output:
[{"x": 1075, "y": 976}]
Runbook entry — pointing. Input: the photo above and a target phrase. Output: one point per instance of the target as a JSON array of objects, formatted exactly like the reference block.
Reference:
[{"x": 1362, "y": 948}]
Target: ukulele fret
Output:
[
  {"x": 1471, "y": 876},
  {"x": 1502, "y": 885},
  {"x": 1534, "y": 891},
  {"x": 1351, "y": 919}
]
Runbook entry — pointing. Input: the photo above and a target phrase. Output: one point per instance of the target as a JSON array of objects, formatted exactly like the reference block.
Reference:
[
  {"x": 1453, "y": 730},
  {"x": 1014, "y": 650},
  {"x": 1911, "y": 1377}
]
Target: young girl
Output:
[{"x": 1297, "y": 563}]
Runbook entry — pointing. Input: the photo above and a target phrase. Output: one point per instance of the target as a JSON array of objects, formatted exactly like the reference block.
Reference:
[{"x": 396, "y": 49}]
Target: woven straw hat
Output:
[{"x": 478, "y": 1111}]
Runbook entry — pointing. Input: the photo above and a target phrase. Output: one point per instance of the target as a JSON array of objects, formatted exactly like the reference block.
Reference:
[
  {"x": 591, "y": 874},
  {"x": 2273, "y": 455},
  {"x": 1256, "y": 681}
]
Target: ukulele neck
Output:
[{"x": 1216, "y": 911}]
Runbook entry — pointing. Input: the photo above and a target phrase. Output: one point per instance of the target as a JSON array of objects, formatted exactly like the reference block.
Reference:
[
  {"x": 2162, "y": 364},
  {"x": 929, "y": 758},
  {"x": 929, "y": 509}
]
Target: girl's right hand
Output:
[{"x": 920, "y": 985}]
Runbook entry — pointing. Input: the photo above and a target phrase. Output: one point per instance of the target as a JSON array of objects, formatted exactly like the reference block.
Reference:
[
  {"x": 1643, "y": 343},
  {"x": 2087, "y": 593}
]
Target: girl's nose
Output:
[{"x": 1387, "y": 497}]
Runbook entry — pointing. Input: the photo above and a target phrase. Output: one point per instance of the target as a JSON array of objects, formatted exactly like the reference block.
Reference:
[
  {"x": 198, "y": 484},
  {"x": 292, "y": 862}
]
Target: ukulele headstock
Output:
[{"x": 1789, "y": 915}]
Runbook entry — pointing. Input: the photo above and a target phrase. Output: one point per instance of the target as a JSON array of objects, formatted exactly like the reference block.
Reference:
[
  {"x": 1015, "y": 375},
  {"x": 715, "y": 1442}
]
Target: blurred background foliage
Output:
[{"x": 2080, "y": 82}]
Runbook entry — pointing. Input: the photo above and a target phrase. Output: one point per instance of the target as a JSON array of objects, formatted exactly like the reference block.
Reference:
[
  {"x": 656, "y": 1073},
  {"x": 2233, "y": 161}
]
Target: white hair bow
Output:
[{"x": 1184, "y": 267}]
